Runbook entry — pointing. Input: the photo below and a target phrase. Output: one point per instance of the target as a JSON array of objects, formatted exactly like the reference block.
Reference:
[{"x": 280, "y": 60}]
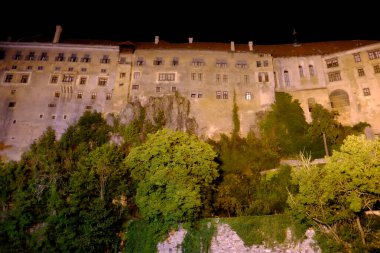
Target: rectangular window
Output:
[
  {"x": 166, "y": 77},
  {"x": 108, "y": 96},
  {"x": 158, "y": 61},
  {"x": 93, "y": 95},
  {"x": 105, "y": 59},
  {"x": 79, "y": 95},
  {"x": 30, "y": 56},
  {"x": 54, "y": 79},
  {"x": 241, "y": 64},
  {"x": 68, "y": 78},
  {"x": 13, "y": 92},
  {"x": 225, "y": 94},
  {"x": 122, "y": 75},
  {"x": 17, "y": 56},
  {"x": 248, "y": 96},
  {"x": 193, "y": 76},
  {"x": 102, "y": 81},
  {"x": 86, "y": 58},
  {"x": 57, "y": 94},
  {"x": 8, "y": 78},
  {"x": 14, "y": 67},
  {"x": 334, "y": 76},
  {"x": 246, "y": 79},
  {"x": 73, "y": 58},
  {"x": 40, "y": 68},
  {"x": 357, "y": 57},
  {"x": 140, "y": 61},
  {"x": 361, "y": 72},
  {"x": 265, "y": 63},
  {"x": 103, "y": 71},
  {"x": 44, "y": 56},
  {"x": 136, "y": 75},
  {"x": 225, "y": 78},
  {"x": 217, "y": 78},
  {"x": 24, "y": 78},
  {"x": 332, "y": 63},
  {"x": 12, "y": 104},
  {"x": 218, "y": 95},
  {"x": 193, "y": 95},
  {"x": 60, "y": 57},
  {"x": 83, "y": 80},
  {"x": 135, "y": 87},
  {"x": 375, "y": 54},
  {"x": 52, "y": 105},
  {"x": 198, "y": 62},
  {"x": 174, "y": 89},
  {"x": 258, "y": 64},
  {"x": 286, "y": 78},
  {"x": 158, "y": 89},
  {"x": 366, "y": 92},
  {"x": 376, "y": 69},
  {"x": 221, "y": 63},
  {"x": 200, "y": 94},
  {"x": 122, "y": 60},
  {"x": 71, "y": 69},
  {"x": 200, "y": 77},
  {"x": 260, "y": 77},
  {"x": 29, "y": 67},
  {"x": 175, "y": 61}
]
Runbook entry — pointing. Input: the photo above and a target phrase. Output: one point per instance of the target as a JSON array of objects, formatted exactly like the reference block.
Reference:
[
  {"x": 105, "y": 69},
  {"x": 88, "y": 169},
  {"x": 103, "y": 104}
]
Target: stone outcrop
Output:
[{"x": 171, "y": 110}]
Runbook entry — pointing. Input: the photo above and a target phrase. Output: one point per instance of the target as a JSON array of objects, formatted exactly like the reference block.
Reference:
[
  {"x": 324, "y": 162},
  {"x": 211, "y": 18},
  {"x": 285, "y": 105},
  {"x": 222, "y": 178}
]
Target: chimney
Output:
[
  {"x": 232, "y": 46},
  {"x": 156, "y": 39},
  {"x": 57, "y": 35},
  {"x": 190, "y": 40},
  {"x": 250, "y": 45}
]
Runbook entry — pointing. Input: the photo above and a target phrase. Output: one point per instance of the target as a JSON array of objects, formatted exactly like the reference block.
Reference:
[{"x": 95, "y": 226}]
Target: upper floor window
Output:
[
  {"x": 248, "y": 96},
  {"x": 31, "y": 56},
  {"x": 375, "y": 54},
  {"x": 68, "y": 78},
  {"x": 140, "y": 61},
  {"x": 357, "y": 57},
  {"x": 123, "y": 75},
  {"x": 265, "y": 63},
  {"x": 44, "y": 56},
  {"x": 82, "y": 80},
  {"x": 158, "y": 61},
  {"x": 136, "y": 75},
  {"x": 93, "y": 95},
  {"x": 73, "y": 58},
  {"x": 225, "y": 94},
  {"x": 221, "y": 63},
  {"x": 258, "y": 64},
  {"x": 166, "y": 77},
  {"x": 241, "y": 64},
  {"x": 175, "y": 61},
  {"x": 246, "y": 79},
  {"x": 361, "y": 72},
  {"x": 311, "y": 70},
  {"x": 60, "y": 57},
  {"x": 122, "y": 60},
  {"x": 225, "y": 78},
  {"x": 105, "y": 59},
  {"x": 331, "y": 63},
  {"x": 334, "y": 76},
  {"x": 8, "y": 78},
  {"x": 286, "y": 78},
  {"x": 24, "y": 78},
  {"x": 102, "y": 81},
  {"x": 54, "y": 79},
  {"x": 366, "y": 92},
  {"x": 263, "y": 77},
  {"x": 14, "y": 67},
  {"x": 218, "y": 95},
  {"x": 217, "y": 78},
  {"x": 17, "y": 56},
  {"x": 300, "y": 69},
  {"x": 108, "y": 96},
  {"x": 12, "y": 104},
  {"x": 197, "y": 62},
  {"x": 376, "y": 69},
  {"x": 86, "y": 58}
]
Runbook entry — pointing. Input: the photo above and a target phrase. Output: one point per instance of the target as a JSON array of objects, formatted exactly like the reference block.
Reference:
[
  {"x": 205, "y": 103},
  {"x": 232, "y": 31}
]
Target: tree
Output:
[
  {"x": 173, "y": 170},
  {"x": 335, "y": 197},
  {"x": 285, "y": 126}
]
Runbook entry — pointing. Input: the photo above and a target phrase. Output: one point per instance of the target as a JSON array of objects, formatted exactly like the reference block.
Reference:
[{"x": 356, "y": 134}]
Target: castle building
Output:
[{"x": 52, "y": 83}]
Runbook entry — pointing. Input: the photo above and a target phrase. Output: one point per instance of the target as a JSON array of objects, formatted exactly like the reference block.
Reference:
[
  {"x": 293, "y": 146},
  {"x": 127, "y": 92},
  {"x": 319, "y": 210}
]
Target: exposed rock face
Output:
[
  {"x": 173, "y": 110},
  {"x": 173, "y": 243}
]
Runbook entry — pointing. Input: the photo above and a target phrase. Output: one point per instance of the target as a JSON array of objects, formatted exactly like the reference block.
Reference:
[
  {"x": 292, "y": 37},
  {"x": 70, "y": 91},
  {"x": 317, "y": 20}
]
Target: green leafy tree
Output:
[
  {"x": 173, "y": 170},
  {"x": 285, "y": 126},
  {"x": 335, "y": 197}
]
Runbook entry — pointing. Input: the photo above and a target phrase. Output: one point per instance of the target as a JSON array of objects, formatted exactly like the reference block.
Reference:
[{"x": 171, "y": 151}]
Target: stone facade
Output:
[{"x": 52, "y": 84}]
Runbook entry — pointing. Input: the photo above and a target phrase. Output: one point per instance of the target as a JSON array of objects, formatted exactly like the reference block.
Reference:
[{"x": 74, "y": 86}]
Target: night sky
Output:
[{"x": 267, "y": 23}]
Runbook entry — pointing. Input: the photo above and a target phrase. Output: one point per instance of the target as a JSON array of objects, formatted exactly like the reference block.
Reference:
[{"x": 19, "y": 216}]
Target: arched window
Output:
[
  {"x": 300, "y": 69},
  {"x": 339, "y": 98},
  {"x": 311, "y": 70},
  {"x": 311, "y": 103},
  {"x": 286, "y": 78}
]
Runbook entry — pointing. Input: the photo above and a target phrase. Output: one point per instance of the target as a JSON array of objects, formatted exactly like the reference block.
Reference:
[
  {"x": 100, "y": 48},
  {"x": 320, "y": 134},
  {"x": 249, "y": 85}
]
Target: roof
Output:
[{"x": 284, "y": 50}]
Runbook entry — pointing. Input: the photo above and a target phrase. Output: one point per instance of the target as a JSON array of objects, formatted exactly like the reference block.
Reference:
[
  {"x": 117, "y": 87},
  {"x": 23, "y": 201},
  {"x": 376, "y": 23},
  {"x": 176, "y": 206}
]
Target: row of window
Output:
[
  {"x": 69, "y": 89},
  {"x": 82, "y": 80},
  {"x": 311, "y": 70},
  {"x": 61, "y": 57},
  {"x": 16, "y": 78},
  {"x": 199, "y": 62}
]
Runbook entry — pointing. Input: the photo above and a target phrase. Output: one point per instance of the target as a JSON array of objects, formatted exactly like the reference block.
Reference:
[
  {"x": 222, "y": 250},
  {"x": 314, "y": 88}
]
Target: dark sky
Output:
[{"x": 267, "y": 23}]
